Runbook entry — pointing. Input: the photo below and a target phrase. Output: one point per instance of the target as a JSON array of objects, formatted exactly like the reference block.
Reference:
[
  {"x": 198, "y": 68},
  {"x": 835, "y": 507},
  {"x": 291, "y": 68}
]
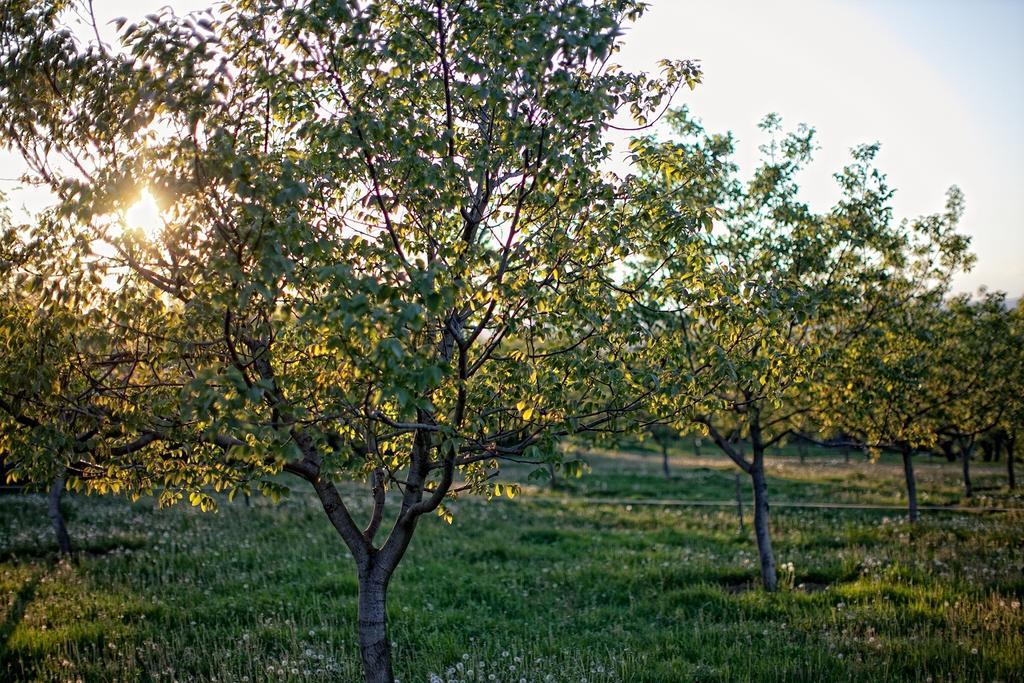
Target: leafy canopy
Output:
[{"x": 388, "y": 247}]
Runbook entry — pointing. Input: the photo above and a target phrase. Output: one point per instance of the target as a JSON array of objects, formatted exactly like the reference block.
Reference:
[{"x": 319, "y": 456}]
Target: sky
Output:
[{"x": 939, "y": 83}]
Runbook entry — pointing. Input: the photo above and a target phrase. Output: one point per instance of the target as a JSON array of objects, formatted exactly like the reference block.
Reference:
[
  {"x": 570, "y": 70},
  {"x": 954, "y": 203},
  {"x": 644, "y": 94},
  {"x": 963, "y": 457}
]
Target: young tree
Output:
[
  {"x": 887, "y": 385},
  {"x": 35, "y": 368},
  {"x": 664, "y": 436},
  {"x": 40, "y": 365},
  {"x": 387, "y": 251},
  {"x": 1013, "y": 416},
  {"x": 976, "y": 356},
  {"x": 786, "y": 278}
]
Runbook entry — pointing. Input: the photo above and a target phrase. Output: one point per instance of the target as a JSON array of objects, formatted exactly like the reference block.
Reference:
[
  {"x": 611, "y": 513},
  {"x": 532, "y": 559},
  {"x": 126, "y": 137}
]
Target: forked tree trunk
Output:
[
  {"x": 375, "y": 566},
  {"x": 374, "y": 644},
  {"x": 664, "y": 461},
  {"x": 764, "y": 540},
  {"x": 755, "y": 468},
  {"x": 908, "y": 473},
  {"x": 965, "y": 457},
  {"x": 56, "y": 518}
]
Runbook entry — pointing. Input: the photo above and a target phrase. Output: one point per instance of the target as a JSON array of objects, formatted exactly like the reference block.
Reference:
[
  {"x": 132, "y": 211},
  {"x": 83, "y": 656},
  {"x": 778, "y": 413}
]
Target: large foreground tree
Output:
[{"x": 385, "y": 252}]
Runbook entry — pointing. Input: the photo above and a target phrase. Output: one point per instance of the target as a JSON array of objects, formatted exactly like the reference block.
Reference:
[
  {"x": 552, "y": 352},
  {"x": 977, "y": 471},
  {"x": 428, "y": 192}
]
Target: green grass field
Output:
[{"x": 550, "y": 586}]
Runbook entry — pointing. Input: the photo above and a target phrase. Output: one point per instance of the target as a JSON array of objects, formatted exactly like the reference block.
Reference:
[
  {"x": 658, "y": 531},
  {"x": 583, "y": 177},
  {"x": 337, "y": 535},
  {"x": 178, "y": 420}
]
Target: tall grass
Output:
[{"x": 522, "y": 590}]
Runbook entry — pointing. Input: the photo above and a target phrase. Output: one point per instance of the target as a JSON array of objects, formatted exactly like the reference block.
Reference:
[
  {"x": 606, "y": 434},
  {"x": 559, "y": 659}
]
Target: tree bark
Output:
[
  {"x": 374, "y": 644},
  {"x": 965, "y": 456},
  {"x": 374, "y": 568},
  {"x": 1011, "y": 443},
  {"x": 664, "y": 461},
  {"x": 764, "y": 539},
  {"x": 56, "y": 518},
  {"x": 908, "y": 473}
]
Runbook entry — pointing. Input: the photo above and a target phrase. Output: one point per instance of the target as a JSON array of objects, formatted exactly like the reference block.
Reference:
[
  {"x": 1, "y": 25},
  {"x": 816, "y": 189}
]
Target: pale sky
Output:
[{"x": 940, "y": 83}]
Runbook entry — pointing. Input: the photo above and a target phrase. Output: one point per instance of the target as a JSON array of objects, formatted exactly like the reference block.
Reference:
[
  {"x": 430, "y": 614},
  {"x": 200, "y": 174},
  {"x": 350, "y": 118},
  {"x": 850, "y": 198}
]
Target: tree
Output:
[
  {"x": 664, "y": 436},
  {"x": 388, "y": 252},
  {"x": 785, "y": 278},
  {"x": 976, "y": 355},
  {"x": 888, "y": 385},
  {"x": 40, "y": 368},
  {"x": 1013, "y": 416}
]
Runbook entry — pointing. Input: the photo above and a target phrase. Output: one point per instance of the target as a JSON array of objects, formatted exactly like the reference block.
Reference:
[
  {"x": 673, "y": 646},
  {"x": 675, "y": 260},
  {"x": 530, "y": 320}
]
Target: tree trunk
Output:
[
  {"x": 696, "y": 447},
  {"x": 947, "y": 450},
  {"x": 764, "y": 541},
  {"x": 739, "y": 501},
  {"x": 965, "y": 456},
  {"x": 1011, "y": 443},
  {"x": 56, "y": 518},
  {"x": 374, "y": 568},
  {"x": 374, "y": 645},
  {"x": 908, "y": 473},
  {"x": 986, "y": 451},
  {"x": 664, "y": 461}
]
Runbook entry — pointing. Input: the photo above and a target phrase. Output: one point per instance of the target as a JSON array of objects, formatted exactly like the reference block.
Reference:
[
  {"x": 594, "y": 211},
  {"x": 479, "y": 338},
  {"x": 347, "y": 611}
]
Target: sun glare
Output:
[{"x": 144, "y": 215}]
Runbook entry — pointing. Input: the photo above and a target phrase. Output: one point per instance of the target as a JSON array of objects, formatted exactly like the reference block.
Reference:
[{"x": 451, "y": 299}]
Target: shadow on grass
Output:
[
  {"x": 22, "y": 599},
  {"x": 95, "y": 548}
]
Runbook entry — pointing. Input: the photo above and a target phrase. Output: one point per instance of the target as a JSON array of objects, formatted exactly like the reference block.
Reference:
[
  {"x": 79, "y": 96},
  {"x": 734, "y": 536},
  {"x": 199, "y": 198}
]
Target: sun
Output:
[{"x": 144, "y": 215}]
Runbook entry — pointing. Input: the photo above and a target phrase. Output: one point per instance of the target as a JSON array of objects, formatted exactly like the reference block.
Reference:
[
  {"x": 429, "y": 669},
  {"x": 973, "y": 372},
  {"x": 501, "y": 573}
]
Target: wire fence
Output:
[{"x": 671, "y": 502}]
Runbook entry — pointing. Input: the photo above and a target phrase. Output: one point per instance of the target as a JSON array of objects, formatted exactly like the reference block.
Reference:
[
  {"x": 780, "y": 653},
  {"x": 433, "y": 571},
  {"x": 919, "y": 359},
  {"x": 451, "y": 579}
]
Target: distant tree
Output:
[
  {"x": 888, "y": 386},
  {"x": 1013, "y": 417},
  {"x": 39, "y": 365},
  {"x": 785, "y": 279},
  {"x": 388, "y": 251},
  {"x": 975, "y": 355},
  {"x": 35, "y": 368},
  {"x": 664, "y": 436}
]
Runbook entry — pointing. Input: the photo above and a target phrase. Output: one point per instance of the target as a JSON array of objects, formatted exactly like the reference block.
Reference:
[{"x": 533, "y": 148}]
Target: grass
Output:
[
  {"x": 546, "y": 587},
  {"x": 824, "y": 476}
]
